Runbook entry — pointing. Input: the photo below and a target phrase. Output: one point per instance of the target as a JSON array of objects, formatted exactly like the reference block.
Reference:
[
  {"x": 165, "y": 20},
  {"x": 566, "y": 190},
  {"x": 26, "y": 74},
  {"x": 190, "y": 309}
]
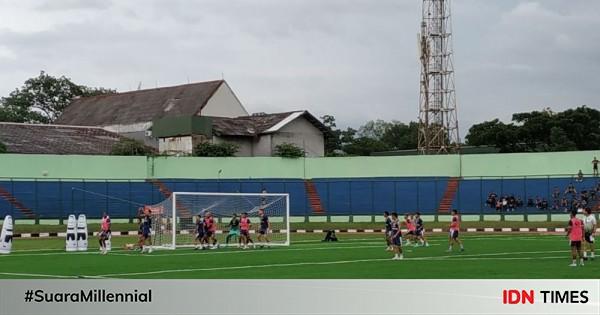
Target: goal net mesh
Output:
[{"x": 171, "y": 229}]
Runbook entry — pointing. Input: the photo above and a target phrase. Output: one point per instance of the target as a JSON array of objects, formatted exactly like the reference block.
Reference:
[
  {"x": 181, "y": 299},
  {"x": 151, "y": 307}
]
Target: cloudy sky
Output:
[{"x": 354, "y": 59}]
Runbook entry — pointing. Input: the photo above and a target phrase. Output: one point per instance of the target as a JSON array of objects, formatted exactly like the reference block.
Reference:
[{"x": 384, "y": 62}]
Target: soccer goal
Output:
[{"x": 174, "y": 219}]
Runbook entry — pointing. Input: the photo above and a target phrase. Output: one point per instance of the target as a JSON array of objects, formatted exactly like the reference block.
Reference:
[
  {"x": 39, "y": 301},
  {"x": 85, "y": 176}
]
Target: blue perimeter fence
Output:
[{"x": 56, "y": 198}]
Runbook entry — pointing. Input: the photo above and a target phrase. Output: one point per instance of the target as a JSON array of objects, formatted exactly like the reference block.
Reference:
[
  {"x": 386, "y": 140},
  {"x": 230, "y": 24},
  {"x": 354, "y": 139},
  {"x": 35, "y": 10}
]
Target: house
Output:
[
  {"x": 255, "y": 135},
  {"x": 131, "y": 113},
  {"x": 175, "y": 119},
  {"x": 56, "y": 139}
]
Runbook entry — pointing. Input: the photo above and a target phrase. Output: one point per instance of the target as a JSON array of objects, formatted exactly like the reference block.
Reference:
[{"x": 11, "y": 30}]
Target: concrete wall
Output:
[
  {"x": 383, "y": 166},
  {"x": 231, "y": 168},
  {"x": 73, "y": 166},
  {"x": 224, "y": 103},
  {"x": 182, "y": 144},
  {"x": 532, "y": 164},
  {"x": 115, "y": 167},
  {"x": 263, "y": 146},
  {"x": 303, "y": 134},
  {"x": 245, "y": 144}
]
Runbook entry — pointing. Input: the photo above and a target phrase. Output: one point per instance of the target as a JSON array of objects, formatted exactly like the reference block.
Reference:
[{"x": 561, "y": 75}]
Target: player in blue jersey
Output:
[
  {"x": 146, "y": 232},
  {"x": 388, "y": 229},
  {"x": 265, "y": 227},
  {"x": 396, "y": 237},
  {"x": 420, "y": 230},
  {"x": 200, "y": 240}
]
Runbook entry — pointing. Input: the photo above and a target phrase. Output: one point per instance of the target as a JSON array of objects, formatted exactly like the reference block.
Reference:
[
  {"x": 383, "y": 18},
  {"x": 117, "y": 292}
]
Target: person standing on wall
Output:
[{"x": 595, "y": 166}]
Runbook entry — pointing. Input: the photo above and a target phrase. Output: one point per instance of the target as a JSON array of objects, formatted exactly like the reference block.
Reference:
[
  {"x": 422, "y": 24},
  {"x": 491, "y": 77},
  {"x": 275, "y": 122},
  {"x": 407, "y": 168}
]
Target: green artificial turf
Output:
[
  {"x": 47, "y": 228},
  {"x": 504, "y": 256}
]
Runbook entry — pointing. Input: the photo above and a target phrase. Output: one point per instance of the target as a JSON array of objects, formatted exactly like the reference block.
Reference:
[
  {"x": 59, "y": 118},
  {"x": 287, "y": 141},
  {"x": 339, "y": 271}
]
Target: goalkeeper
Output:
[{"x": 234, "y": 229}]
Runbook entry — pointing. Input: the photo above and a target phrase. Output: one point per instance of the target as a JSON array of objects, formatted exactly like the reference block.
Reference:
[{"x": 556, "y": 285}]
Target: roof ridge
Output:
[
  {"x": 151, "y": 89},
  {"x": 52, "y": 125}
]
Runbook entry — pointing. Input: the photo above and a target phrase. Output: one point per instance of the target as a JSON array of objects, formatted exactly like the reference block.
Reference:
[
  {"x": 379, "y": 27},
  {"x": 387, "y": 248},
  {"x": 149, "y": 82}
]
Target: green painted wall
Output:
[
  {"x": 234, "y": 167},
  {"x": 72, "y": 166},
  {"x": 116, "y": 167},
  {"x": 534, "y": 164},
  {"x": 383, "y": 166}
]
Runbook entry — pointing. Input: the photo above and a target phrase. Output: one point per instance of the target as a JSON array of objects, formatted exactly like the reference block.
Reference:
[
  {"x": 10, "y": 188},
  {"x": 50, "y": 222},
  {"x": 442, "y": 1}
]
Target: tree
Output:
[
  {"x": 365, "y": 146},
  {"x": 559, "y": 141},
  {"x": 400, "y": 136},
  {"x": 374, "y": 129},
  {"x": 572, "y": 129},
  {"x": 223, "y": 149},
  {"x": 130, "y": 147},
  {"x": 333, "y": 141},
  {"x": 3, "y": 148},
  {"x": 43, "y": 98},
  {"x": 288, "y": 150}
]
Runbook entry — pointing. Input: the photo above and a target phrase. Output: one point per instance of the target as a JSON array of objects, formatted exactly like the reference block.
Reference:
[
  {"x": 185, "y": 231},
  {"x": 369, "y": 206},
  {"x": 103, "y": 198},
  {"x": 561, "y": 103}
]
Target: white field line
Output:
[
  {"x": 345, "y": 240},
  {"x": 209, "y": 252},
  {"x": 338, "y": 262},
  {"x": 36, "y": 275},
  {"x": 37, "y": 250},
  {"x": 56, "y": 252}
]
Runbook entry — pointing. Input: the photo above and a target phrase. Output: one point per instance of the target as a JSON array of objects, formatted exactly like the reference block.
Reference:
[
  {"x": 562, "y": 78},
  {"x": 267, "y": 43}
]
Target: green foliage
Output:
[
  {"x": 365, "y": 146},
  {"x": 223, "y": 149},
  {"x": 573, "y": 129},
  {"x": 379, "y": 135},
  {"x": 400, "y": 136},
  {"x": 288, "y": 150},
  {"x": 333, "y": 142},
  {"x": 127, "y": 146},
  {"x": 43, "y": 98},
  {"x": 3, "y": 148}
]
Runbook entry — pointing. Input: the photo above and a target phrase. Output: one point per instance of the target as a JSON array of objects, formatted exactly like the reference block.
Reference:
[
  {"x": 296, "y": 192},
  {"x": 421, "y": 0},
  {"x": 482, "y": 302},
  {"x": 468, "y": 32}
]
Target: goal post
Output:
[{"x": 174, "y": 219}]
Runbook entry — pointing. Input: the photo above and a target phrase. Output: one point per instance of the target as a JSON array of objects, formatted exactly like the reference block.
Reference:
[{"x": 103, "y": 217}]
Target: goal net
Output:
[{"x": 174, "y": 219}]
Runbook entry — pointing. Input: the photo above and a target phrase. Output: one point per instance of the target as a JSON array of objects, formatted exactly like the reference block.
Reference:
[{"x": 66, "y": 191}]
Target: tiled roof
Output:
[
  {"x": 139, "y": 106},
  {"x": 56, "y": 139},
  {"x": 258, "y": 124}
]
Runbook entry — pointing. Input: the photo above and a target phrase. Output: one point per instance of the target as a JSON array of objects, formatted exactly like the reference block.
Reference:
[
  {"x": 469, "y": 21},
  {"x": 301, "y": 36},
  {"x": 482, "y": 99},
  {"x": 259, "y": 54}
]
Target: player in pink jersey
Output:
[
  {"x": 245, "y": 226},
  {"x": 410, "y": 226},
  {"x": 104, "y": 232},
  {"x": 210, "y": 229},
  {"x": 575, "y": 235},
  {"x": 454, "y": 230}
]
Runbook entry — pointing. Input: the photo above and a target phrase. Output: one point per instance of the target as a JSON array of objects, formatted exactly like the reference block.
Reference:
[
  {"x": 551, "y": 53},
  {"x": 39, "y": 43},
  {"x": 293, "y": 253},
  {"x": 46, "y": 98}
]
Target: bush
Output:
[
  {"x": 127, "y": 146},
  {"x": 288, "y": 150},
  {"x": 2, "y": 148},
  {"x": 223, "y": 149}
]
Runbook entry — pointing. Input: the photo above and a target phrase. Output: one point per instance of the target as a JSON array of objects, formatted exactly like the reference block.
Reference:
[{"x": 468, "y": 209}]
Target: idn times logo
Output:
[{"x": 514, "y": 296}]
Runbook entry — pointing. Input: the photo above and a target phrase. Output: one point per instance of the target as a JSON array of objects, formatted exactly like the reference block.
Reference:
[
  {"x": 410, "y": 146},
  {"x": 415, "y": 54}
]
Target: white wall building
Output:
[{"x": 133, "y": 114}]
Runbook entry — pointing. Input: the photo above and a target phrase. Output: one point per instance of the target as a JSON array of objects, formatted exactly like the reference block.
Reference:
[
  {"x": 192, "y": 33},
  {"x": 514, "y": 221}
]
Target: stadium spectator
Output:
[
  {"x": 579, "y": 176},
  {"x": 512, "y": 203},
  {"x": 571, "y": 189},
  {"x": 530, "y": 203},
  {"x": 556, "y": 193},
  {"x": 564, "y": 204},
  {"x": 595, "y": 166},
  {"x": 491, "y": 200},
  {"x": 519, "y": 202}
]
